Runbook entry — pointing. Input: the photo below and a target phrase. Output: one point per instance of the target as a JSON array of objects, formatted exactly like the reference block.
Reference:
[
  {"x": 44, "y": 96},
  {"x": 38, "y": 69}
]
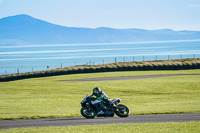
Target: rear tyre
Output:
[
  {"x": 122, "y": 111},
  {"x": 88, "y": 114}
]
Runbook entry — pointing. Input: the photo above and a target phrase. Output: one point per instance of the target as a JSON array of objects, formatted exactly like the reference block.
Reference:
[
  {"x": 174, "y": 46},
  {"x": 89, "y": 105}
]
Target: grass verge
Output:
[
  {"x": 48, "y": 97},
  {"x": 169, "y": 127}
]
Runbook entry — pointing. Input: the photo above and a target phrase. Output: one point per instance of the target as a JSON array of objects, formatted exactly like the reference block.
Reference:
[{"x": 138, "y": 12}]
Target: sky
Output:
[{"x": 121, "y": 14}]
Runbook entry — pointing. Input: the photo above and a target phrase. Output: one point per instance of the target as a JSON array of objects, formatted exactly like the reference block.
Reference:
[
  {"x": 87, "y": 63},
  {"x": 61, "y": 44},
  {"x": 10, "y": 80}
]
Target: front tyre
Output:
[
  {"x": 90, "y": 114},
  {"x": 122, "y": 111}
]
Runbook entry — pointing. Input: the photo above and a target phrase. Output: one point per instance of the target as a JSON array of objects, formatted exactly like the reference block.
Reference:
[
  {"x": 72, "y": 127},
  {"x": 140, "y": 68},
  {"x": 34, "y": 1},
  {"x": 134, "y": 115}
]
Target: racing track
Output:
[
  {"x": 6, "y": 124},
  {"x": 19, "y": 123},
  {"x": 127, "y": 78}
]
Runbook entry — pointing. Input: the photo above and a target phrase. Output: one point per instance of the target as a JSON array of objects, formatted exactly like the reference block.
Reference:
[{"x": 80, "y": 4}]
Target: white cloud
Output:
[{"x": 194, "y": 5}]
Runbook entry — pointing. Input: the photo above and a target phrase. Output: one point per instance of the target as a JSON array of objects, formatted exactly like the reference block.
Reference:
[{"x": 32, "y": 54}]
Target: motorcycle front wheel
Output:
[
  {"x": 88, "y": 114},
  {"x": 122, "y": 111}
]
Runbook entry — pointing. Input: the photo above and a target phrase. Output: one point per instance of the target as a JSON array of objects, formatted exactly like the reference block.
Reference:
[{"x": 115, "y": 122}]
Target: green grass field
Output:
[
  {"x": 169, "y": 127},
  {"x": 48, "y": 97}
]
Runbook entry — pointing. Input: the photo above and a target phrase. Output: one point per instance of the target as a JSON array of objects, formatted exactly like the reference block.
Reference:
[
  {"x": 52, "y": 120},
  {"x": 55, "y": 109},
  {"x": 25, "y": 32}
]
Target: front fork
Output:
[
  {"x": 88, "y": 108},
  {"x": 121, "y": 109}
]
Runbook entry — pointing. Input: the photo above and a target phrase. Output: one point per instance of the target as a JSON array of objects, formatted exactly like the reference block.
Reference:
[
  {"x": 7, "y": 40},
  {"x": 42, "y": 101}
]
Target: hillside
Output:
[{"x": 24, "y": 29}]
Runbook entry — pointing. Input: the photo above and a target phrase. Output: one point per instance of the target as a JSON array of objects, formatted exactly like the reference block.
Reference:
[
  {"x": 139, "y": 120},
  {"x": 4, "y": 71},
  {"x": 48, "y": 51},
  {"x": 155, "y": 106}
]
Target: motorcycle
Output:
[{"x": 92, "y": 107}]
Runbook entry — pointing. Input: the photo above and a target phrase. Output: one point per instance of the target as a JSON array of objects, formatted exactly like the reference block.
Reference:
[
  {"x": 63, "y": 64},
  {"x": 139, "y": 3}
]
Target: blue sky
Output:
[{"x": 142, "y": 14}]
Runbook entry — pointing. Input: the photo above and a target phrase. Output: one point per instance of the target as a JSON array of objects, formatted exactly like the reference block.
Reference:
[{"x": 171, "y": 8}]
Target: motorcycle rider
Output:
[{"x": 102, "y": 97}]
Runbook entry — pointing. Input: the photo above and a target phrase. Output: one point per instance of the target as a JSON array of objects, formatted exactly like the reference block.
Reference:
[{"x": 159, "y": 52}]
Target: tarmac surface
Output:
[
  {"x": 75, "y": 121},
  {"x": 127, "y": 78}
]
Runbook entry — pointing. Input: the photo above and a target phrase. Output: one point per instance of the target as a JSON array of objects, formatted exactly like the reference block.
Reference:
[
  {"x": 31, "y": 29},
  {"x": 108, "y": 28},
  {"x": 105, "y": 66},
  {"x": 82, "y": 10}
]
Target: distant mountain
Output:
[{"x": 24, "y": 29}]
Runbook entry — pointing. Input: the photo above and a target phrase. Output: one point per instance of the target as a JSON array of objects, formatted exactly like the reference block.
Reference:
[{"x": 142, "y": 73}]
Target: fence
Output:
[{"x": 93, "y": 61}]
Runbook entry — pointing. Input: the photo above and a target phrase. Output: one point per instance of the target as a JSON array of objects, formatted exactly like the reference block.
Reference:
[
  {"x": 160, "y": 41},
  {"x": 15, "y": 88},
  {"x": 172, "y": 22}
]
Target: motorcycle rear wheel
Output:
[
  {"x": 122, "y": 111},
  {"x": 86, "y": 114}
]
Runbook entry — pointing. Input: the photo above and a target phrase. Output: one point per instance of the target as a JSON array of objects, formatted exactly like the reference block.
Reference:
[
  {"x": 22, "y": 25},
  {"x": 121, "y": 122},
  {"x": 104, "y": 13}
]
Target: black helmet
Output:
[{"x": 96, "y": 91}]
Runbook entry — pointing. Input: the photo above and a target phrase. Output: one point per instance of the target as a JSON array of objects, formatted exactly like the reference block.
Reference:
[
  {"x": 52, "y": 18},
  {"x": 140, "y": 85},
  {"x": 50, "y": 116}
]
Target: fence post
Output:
[
  {"x": 5, "y": 72},
  {"x": 124, "y": 59},
  {"x": 181, "y": 56},
  {"x": 115, "y": 60},
  {"x": 168, "y": 57},
  {"x": 156, "y": 58},
  {"x": 103, "y": 61},
  {"x": 143, "y": 58},
  {"x": 32, "y": 69},
  {"x": 133, "y": 58},
  {"x": 61, "y": 65},
  {"x": 17, "y": 70}
]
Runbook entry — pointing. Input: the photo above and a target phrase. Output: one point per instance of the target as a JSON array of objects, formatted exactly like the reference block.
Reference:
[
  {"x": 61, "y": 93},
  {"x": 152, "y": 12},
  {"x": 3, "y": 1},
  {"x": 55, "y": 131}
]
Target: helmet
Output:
[{"x": 96, "y": 91}]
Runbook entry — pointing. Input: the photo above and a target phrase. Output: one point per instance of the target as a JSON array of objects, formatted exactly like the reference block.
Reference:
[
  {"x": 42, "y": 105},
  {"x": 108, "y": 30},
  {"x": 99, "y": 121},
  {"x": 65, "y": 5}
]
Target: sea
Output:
[{"x": 30, "y": 58}]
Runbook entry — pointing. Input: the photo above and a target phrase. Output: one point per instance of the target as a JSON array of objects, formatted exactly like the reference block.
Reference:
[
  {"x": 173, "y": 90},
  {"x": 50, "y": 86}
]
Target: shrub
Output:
[{"x": 120, "y": 66}]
